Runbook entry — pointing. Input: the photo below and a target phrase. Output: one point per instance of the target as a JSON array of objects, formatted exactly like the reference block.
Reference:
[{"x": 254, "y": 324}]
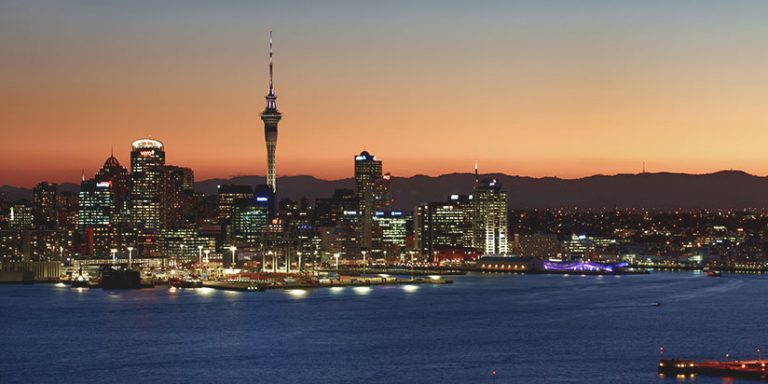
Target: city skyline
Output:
[
  {"x": 486, "y": 191},
  {"x": 645, "y": 83}
]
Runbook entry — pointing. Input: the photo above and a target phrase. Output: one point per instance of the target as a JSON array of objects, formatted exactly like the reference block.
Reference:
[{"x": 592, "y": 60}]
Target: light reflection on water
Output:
[{"x": 592, "y": 327}]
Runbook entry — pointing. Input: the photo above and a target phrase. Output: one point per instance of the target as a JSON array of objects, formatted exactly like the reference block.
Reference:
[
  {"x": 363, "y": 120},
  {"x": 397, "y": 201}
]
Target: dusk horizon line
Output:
[{"x": 437, "y": 176}]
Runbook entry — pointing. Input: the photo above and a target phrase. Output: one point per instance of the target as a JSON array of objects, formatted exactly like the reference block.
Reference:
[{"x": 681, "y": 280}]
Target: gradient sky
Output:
[{"x": 539, "y": 88}]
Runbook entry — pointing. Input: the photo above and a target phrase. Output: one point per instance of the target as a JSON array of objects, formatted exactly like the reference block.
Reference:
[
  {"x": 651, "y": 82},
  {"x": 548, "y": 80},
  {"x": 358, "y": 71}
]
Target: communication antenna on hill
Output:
[
  {"x": 643, "y": 166},
  {"x": 477, "y": 178}
]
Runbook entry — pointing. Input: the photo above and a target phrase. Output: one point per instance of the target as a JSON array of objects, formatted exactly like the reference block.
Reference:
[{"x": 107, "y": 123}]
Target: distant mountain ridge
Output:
[{"x": 724, "y": 189}]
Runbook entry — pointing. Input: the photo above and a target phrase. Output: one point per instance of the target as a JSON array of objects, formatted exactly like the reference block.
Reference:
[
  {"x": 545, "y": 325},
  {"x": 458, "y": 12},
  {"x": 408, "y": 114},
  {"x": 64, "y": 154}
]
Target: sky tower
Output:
[{"x": 271, "y": 117}]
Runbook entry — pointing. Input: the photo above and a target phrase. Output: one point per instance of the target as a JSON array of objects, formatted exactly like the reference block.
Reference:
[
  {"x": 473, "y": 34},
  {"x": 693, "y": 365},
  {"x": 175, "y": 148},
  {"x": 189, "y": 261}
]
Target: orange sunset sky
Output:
[{"x": 536, "y": 88}]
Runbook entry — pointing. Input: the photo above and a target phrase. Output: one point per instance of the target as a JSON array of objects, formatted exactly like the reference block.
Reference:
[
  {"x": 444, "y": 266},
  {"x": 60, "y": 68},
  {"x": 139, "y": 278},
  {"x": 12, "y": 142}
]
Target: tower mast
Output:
[{"x": 271, "y": 117}]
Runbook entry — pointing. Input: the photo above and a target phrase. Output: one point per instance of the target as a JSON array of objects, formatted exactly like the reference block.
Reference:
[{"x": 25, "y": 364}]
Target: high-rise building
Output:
[
  {"x": 329, "y": 210},
  {"x": 229, "y": 195},
  {"x": 443, "y": 226},
  {"x": 489, "y": 223},
  {"x": 115, "y": 173},
  {"x": 271, "y": 117},
  {"x": 248, "y": 218},
  {"x": 389, "y": 234},
  {"x": 369, "y": 191},
  {"x": 177, "y": 184},
  {"x": 67, "y": 208},
  {"x": 95, "y": 212},
  {"x": 95, "y": 204},
  {"x": 147, "y": 161},
  {"x": 265, "y": 197},
  {"x": 45, "y": 206}
]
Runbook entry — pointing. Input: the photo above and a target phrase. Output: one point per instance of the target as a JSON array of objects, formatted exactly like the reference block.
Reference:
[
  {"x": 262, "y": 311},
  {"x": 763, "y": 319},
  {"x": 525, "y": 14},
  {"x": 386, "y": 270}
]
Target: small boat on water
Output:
[
  {"x": 713, "y": 272},
  {"x": 186, "y": 282},
  {"x": 81, "y": 280}
]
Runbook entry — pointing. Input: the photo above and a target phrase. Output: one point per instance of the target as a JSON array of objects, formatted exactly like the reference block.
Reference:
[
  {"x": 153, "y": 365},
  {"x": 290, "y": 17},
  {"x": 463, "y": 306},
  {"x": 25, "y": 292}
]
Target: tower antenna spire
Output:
[
  {"x": 477, "y": 178},
  {"x": 271, "y": 88},
  {"x": 271, "y": 97}
]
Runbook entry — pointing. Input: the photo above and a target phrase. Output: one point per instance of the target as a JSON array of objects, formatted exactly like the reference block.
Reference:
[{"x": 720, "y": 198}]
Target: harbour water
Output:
[{"x": 529, "y": 328}]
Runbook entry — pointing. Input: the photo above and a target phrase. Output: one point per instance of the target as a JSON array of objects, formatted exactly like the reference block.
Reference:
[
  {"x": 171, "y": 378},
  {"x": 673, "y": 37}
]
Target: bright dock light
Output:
[{"x": 362, "y": 290}]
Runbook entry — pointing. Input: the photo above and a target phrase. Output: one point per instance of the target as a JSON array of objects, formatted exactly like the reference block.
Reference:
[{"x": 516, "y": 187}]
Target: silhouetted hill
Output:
[
  {"x": 725, "y": 189},
  {"x": 11, "y": 193},
  {"x": 291, "y": 187}
]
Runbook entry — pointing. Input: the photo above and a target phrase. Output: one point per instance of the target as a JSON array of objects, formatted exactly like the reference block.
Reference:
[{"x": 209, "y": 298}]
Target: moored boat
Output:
[
  {"x": 187, "y": 282},
  {"x": 120, "y": 278},
  {"x": 712, "y": 272}
]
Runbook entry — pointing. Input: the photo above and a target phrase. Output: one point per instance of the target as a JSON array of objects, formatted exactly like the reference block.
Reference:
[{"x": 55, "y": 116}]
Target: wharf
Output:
[
  {"x": 323, "y": 283},
  {"x": 404, "y": 271},
  {"x": 743, "y": 369}
]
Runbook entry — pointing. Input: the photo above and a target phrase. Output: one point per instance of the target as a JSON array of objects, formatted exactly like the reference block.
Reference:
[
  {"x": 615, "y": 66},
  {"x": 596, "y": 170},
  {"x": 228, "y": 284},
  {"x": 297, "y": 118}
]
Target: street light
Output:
[
  {"x": 207, "y": 251},
  {"x": 336, "y": 255},
  {"x": 130, "y": 256},
  {"x": 411, "y": 252},
  {"x": 200, "y": 255},
  {"x": 114, "y": 255},
  {"x": 363, "y": 261},
  {"x": 233, "y": 249},
  {"x": 298, "y": 253},
  {"x": 182, "y": 254},
  {"x": 314, "y": 261},
  {"x": 263, "y": 261}
]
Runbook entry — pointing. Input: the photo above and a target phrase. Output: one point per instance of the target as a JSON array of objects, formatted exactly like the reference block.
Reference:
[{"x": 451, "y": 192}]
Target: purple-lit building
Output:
[{"x": 531, "y": 264}]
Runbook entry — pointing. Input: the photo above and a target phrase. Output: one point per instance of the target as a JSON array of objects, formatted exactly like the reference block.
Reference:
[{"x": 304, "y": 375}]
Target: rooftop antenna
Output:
[
  {"x": 82, "y": 177},
  {"x": 112, "y": 150}
]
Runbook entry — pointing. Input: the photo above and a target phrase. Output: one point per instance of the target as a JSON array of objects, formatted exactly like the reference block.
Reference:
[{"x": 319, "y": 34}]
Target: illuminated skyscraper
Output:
[
  {"x": 389, "y": 234},
  {"x": 443, "y": 226},
  {"x": 147, "y": 161},
  {"x": 489, "y": 221},
  {"x": 271, "y": 117},
  {"x": 95, "y": 204},
  {"x": 120, "y": 179},
  {"x": 369, "y": 191},
  {"x": 248, "y": 217}
]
